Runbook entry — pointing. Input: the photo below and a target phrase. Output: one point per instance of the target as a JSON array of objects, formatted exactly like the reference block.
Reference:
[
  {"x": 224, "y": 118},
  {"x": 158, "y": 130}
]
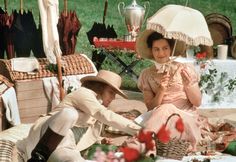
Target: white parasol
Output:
[{"x": 181, "y": 23}]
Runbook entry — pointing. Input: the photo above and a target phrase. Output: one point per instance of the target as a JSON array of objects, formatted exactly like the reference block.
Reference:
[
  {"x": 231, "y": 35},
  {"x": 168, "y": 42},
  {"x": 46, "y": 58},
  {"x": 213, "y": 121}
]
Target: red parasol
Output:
[
  {"x": 6, "y": 35},
  {"x": 68, "y": 28}
]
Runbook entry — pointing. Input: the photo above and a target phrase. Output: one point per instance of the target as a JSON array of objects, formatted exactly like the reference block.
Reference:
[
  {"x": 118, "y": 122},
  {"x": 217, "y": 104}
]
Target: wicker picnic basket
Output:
[
  {"x": 175, "y": 148},
  {"x": 74, "y": 65}
]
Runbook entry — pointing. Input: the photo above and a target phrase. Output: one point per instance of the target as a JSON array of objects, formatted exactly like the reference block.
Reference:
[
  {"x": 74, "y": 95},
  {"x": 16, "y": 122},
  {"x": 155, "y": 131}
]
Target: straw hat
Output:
[
  {"x": 145, "y": 52},
  {"x": 110, "y": 78},
  {"x": 141, "y": 44}
]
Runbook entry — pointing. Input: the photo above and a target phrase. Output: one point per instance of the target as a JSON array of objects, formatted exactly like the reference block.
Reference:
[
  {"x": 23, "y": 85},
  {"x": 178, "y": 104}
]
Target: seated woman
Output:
[
  {"x": 85, "y": 110},
  {"x": 168, "y": 87}
]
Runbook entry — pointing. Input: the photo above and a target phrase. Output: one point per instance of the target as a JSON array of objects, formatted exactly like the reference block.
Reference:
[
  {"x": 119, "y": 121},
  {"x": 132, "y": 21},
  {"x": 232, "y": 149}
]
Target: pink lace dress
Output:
[{"x": 174, "y": 101}]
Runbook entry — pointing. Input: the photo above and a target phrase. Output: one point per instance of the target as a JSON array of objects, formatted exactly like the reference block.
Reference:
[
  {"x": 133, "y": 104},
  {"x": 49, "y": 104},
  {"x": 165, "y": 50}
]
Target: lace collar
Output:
[{"x": 164, "y": 67}]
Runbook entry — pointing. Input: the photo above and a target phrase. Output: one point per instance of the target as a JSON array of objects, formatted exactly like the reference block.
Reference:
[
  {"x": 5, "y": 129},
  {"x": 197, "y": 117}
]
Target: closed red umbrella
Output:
[
  {"x": 6, "y": 35},
  {"x": 1, "y": 33},
  {"x": 68, "y": 29}
]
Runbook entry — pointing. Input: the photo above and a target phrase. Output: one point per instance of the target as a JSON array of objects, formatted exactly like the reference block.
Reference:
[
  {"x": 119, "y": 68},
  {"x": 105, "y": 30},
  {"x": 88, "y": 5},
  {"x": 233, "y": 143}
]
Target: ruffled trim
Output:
[{"x": 180, "y": 36}]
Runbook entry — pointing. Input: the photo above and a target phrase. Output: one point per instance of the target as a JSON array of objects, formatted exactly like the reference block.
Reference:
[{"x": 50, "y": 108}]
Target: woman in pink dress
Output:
[{"x": 168, "y": 87}]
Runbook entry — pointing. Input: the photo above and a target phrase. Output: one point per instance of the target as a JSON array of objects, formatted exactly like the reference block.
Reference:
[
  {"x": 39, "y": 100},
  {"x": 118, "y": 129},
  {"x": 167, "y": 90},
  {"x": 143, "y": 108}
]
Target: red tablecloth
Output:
[{"x": 114, "y": 44}]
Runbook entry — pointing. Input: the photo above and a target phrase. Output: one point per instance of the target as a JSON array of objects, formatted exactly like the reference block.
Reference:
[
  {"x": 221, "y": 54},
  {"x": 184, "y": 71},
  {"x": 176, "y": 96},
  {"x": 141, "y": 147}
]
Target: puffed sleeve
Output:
[
  {"x": 192, "y": 72},
  {"x": 143, "y": 83}
]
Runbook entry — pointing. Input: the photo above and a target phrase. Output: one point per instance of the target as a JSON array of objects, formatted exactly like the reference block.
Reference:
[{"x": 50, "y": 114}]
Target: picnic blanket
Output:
[{"x": 16, "y": 133}]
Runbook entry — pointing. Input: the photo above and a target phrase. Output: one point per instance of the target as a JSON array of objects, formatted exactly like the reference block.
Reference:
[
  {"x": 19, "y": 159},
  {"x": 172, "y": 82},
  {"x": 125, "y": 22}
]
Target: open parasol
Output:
[{"x": 181, "y": 23}]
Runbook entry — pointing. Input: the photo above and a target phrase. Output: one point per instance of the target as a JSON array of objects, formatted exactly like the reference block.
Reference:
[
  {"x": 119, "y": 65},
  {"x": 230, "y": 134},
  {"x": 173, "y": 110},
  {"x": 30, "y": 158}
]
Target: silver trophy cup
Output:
[{"x": 134, "y": 16}]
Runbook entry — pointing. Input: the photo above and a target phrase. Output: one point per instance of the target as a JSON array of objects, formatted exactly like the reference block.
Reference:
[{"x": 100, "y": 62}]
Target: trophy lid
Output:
[{"x": 134, "y": 6}]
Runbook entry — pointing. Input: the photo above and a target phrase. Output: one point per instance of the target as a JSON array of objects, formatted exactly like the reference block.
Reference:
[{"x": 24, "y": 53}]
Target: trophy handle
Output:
[
  {"x": 147, "y": 8},
  {"x": 121, "y": 10}
]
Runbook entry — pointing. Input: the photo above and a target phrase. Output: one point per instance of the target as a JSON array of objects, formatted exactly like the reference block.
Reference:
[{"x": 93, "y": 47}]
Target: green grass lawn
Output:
[{"x": 90, "y": 11}]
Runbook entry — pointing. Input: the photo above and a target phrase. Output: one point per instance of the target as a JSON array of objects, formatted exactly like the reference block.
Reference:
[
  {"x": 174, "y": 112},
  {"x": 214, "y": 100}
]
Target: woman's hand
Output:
[
  {"x": 164, "y": 82},
  {"x": 191, "y": 88},
  {"x": 135, "y": 144},
  {"x": 107, "y": 141},
  {"x": 187, "y": 80}
]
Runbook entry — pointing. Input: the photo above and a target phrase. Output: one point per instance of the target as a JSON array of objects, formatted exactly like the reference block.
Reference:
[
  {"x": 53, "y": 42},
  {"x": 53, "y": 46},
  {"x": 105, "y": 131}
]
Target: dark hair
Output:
[
  {"x": 95, "y": 86},
  {"x": 157, "y": 36}
]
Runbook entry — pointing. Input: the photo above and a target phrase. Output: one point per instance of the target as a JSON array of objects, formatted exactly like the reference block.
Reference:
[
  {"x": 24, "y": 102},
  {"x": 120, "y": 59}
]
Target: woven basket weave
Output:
[
  {"x": 74, "y": 65},
  {"x": 175, "y": 148}
]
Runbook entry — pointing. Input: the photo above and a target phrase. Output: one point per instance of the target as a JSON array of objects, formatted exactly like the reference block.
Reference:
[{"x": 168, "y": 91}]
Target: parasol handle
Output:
[
  {"x": 21, "y": 6},
  {"x": 105, "y": 11},
  {"x": 186, "y": 3},
  {"x": 173, "y": 51},
  {"x": 5, "y": 5},
  {"x": 65, "y": 6},
  {"x": 59, "y": 75},
  {"x": 147, "y": 9}
]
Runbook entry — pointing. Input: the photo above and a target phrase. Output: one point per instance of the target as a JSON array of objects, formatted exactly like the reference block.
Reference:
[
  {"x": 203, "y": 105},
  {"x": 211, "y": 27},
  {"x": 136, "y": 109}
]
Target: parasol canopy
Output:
[{"x": 181, "y": 23}]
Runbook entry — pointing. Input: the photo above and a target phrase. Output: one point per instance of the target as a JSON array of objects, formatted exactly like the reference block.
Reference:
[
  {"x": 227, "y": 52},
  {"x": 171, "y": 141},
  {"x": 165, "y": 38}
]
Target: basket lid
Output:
[{"x": 219, "y": 26}]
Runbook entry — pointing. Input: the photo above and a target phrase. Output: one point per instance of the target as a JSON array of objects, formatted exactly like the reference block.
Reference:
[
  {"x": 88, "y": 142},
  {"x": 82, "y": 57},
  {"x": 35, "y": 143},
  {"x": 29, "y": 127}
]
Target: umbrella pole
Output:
[
  {"x": 173, "y": 51},
  {"x": 59, "y": 76},
  {"x": 5, "y": 5},
  {"x": 65, "y": 6},
  {"x": 186, "y": 3},
  {"x": 21, "y": 6},
  {"x": 105, "y": 12}
]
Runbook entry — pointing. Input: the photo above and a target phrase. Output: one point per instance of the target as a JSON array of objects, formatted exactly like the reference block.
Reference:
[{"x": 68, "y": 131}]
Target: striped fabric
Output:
[
  {"x": 79, "y": 132},
  {"x": 6, "y": 150}
]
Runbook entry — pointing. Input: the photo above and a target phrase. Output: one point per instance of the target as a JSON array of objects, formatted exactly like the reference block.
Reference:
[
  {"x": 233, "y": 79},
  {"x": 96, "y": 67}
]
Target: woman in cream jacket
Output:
[{"x": 84, "y": 111}]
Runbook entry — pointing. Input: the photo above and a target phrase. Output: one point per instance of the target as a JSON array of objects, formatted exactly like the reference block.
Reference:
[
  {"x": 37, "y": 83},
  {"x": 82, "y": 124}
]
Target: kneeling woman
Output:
[{"x": 51, "y": 137}]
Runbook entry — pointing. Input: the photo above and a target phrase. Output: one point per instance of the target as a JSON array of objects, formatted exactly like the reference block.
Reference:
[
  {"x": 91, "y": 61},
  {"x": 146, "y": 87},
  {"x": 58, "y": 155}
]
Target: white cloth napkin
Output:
[
  {"x": 11, "y": 106},
  {"x": 24, "y": 64}
]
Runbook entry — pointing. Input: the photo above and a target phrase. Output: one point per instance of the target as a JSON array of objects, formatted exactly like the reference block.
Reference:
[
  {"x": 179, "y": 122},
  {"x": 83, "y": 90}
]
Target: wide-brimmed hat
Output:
[
  {"x": 110, "y": 78},
  {"x": 145, "y": 52},
  {"x": 141, "y": 44}
]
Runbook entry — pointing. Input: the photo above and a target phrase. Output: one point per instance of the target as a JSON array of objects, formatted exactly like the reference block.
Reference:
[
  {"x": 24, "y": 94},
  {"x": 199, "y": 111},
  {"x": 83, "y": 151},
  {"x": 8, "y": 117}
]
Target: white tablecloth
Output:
[{"x": 229, "y": 66}]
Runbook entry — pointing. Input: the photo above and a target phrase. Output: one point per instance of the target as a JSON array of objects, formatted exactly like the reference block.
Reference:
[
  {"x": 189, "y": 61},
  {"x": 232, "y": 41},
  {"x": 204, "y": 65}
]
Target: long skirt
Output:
[{"x": 159, "y": 116}]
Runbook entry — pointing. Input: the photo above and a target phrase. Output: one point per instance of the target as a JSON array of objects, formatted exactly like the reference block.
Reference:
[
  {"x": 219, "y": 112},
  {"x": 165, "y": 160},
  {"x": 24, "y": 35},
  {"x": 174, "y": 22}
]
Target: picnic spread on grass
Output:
[{"x": 32, "y": 86}]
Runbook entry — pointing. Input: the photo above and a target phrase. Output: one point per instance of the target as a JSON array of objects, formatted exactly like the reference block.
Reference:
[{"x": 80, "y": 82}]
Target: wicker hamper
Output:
[
  {"x": 74, "y": 65},
  {"x": 175, "y": 148},
  {"x": 32, "y": 100}
]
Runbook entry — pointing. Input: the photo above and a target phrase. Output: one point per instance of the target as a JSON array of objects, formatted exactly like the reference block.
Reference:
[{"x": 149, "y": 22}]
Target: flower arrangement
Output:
[
  {"x": 140, "y": 148},
  {"x": 201, "y": 59},
  {"x": 211, "y": 82},
  {"x": 148, "y": 141},
  {"x": 216, "y": 85}
]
